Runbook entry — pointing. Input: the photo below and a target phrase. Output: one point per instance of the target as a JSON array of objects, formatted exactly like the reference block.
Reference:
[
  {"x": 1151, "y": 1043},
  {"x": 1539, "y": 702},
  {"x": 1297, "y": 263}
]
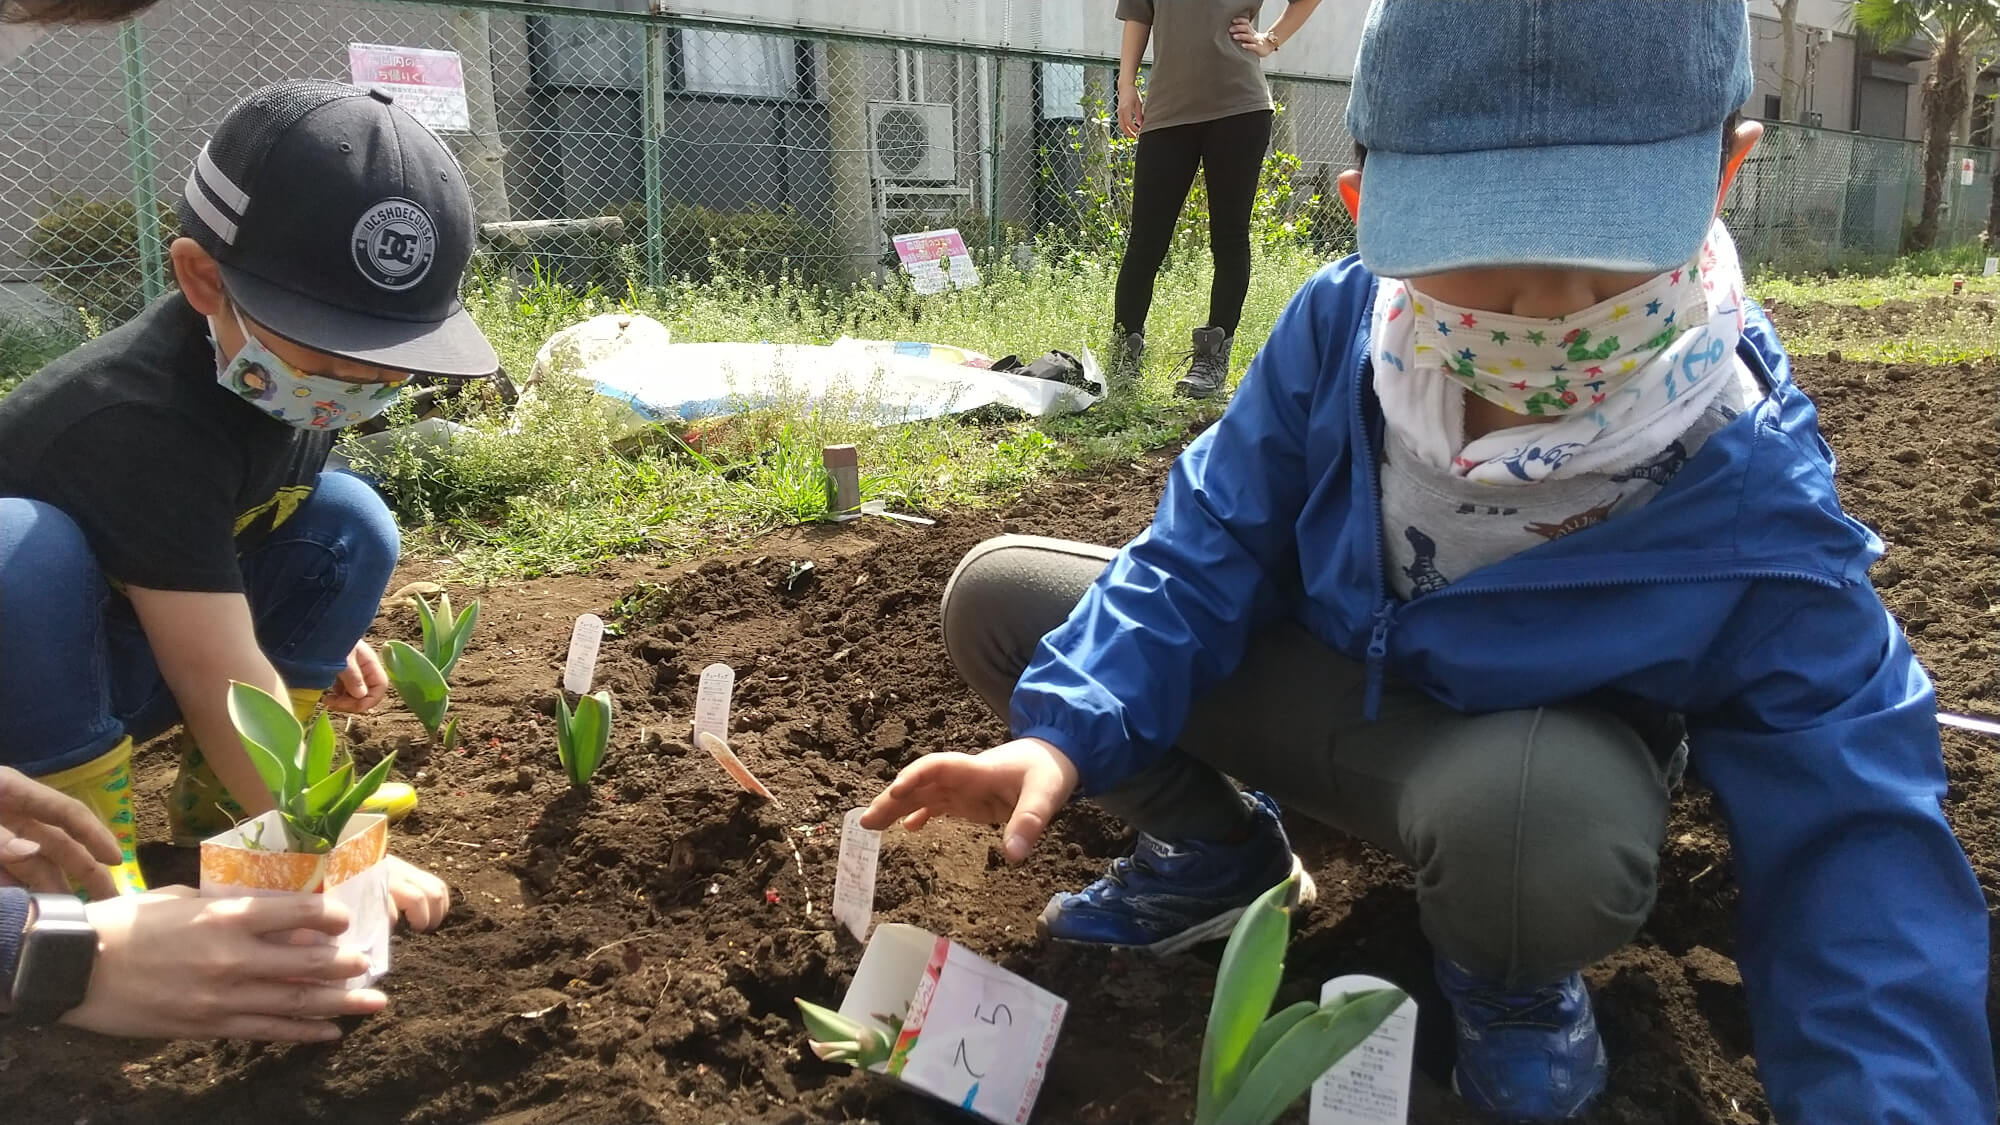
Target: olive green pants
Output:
[{"x": 1534, "y": 834}]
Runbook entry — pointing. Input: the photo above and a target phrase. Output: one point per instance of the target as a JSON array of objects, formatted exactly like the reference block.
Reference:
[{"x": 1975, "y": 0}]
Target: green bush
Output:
[
  {"x": 28, "y": 344},
  {"x": 88, "y": 251}
]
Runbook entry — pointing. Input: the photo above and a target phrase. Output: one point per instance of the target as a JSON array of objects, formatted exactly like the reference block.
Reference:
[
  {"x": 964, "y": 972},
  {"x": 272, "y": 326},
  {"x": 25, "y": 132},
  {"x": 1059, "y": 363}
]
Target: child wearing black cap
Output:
[
  {"x": 1519, "y": 511},
  {"x": 166, "y": 521}
]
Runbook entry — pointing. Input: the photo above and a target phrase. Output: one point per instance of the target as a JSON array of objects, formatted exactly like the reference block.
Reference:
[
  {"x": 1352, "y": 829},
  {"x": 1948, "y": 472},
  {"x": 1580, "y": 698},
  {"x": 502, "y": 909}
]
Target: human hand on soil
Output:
[
  {"x": 361, "y": 685},
  {"x": 174, "y": 966},
  {"x": 1259, "y": 43},
  {"x": 1131, "y": 110},
  {"x": 421, "y": 897},
  {"x": 1020, "y": 784},
  {"x": 48, "y": 839}
]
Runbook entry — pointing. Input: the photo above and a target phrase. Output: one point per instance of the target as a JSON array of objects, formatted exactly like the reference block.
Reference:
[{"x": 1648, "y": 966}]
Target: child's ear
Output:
[
  {"x": 199, "y": 277},
  {"x": 1349, "y": 187}
]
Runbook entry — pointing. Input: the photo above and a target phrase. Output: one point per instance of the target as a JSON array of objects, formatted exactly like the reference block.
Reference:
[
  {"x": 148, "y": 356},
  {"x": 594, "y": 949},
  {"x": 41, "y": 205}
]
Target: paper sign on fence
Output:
[
  {"x": 973, "y": 1034},
  {"x": 1967, "y": 170},
  {"x": 1371, "y": 1086},
  {"x": 934, "y": 258},
  {"x": 430, "y": 84},
  {"x": 854, "y": 876}
]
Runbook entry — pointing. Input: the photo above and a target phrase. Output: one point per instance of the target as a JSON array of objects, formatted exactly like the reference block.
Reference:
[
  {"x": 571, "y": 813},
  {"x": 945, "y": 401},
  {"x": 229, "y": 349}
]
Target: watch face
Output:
[{"x": 57, "y": 954}]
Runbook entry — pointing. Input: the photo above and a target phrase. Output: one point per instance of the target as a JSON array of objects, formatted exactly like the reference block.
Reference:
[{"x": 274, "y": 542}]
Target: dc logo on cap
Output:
[{"x": 394, "y": 244}]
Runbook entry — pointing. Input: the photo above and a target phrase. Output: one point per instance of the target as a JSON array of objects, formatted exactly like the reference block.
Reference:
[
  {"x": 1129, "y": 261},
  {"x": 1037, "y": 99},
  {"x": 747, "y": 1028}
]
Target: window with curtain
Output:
[{"x": 730, "y": 62}]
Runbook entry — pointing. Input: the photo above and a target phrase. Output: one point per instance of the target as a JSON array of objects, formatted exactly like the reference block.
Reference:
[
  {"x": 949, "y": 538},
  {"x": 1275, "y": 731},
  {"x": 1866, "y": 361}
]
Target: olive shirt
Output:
[{"x": 1199, "y": 73}]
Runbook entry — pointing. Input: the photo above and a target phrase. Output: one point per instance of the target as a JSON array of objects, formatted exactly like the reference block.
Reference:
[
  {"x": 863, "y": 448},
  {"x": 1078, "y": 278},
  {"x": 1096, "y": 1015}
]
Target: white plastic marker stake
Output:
[
  {"x": 1992, "y": 268},
  {"x": 584, "y": 641},
  {"x": 854, "y": 877},
  {"x": 1371, "y": 1086},
  {"x": 1966, "y": 722},
  {"x": 727, "y": 758},
  {"x": 711, "y": 701}
]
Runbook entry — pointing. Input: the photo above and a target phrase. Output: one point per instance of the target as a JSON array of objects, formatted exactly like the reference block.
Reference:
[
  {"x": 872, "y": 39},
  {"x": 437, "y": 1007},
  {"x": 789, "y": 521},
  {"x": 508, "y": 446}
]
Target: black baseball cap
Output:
[{"x": 343, "y": 224}]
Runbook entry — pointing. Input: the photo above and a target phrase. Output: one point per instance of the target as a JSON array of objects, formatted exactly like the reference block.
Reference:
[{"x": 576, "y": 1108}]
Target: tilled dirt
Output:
[{"x": 631, "y": 954}]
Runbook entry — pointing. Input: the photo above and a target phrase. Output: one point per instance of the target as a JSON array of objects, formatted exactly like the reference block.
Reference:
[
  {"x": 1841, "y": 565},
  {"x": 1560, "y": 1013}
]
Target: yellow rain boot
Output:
[{"x": 105, "y": 784}]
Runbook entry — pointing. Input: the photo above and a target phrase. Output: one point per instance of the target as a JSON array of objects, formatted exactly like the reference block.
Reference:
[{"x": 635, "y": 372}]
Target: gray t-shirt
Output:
[{"x": 1199, "y": 73}]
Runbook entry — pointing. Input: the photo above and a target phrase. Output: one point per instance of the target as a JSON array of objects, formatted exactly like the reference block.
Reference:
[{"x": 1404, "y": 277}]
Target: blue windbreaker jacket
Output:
[{"x": 1738, "y": 597}]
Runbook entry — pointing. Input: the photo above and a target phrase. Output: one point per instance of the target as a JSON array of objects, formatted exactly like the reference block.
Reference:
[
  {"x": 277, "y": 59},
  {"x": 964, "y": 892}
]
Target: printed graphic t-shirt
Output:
[
  {"x": 1199, "y": 73},
  {"x": 170, "y": 476}
]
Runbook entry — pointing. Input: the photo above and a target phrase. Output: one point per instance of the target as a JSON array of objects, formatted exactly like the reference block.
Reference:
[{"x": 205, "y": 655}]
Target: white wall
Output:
[{"x": 1325, "y": 49}]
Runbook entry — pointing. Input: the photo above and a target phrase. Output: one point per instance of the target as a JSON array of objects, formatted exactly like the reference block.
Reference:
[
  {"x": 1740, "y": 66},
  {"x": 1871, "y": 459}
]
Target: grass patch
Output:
[
  {"x": 1898, "y": 318},
  {"x": 27, "y": 343},
  {"x": 544, "y": 492}
]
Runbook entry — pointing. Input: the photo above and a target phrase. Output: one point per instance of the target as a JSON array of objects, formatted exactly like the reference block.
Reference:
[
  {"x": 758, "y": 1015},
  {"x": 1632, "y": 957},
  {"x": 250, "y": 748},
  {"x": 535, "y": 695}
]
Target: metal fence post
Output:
[
  {"x": 997, "y": 112},
  {"x": 653, "y": 88},
  {"x": 139, "y": 153}
]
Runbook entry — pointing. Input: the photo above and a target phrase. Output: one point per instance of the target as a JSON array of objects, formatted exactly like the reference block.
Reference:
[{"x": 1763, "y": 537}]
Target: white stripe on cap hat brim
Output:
[{"x": 224, "y": 193}]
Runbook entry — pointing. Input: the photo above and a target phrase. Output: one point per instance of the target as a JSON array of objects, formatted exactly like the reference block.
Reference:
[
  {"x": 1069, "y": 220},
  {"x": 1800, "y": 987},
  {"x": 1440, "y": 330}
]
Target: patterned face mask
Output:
[{"x": 309, "y": 402}]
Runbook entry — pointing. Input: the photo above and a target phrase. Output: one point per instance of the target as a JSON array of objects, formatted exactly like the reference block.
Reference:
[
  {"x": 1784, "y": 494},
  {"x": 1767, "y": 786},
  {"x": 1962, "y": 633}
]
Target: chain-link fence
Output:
[{"x": 606, "y": 144}]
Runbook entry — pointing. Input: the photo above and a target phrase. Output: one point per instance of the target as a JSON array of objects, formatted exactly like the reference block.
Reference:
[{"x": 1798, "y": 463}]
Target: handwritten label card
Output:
[
  {"x": 854, "y": 877},
  {"x": 980, "y": 1037},
  {"x": 1371, "y": 1086},
  {"x": 711, "y": 700},
  {"x": 935, "y": 259},
  {"x": 584, "y": 641}
]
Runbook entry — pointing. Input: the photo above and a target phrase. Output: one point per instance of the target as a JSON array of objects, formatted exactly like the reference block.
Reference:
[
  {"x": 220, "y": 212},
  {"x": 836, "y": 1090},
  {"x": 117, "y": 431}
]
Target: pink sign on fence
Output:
[
  {"x": 934, "y": 258},
  {"x": 430, "y": 84}
]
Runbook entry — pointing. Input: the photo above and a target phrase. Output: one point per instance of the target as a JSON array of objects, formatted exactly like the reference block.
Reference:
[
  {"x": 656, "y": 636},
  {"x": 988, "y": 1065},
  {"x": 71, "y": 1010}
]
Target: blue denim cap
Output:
[{"x": 1582, "y": 133}]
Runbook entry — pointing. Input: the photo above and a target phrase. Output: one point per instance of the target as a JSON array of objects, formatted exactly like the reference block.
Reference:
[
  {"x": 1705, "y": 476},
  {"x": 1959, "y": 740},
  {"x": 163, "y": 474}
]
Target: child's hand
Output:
[
  {"x": 361, "y": 685},
  {"x": 48, "y": 839},
  {"x": 421, "y": 897},
  {"x": 1259, "y": 43},
  {"x": 1020, "y": 784}
]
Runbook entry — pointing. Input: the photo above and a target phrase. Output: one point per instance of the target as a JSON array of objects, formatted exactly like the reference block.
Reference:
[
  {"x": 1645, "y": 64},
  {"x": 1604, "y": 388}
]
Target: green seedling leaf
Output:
[
  {"x": 1245, "y": 985},
  {"x": 1272, "y": 1030},
  {"x": 448, "y": 739},
  {"x": 835, "y": 1038},
  {"x": 343, "y": 810},
  {"x": 582, "y": 736},
  {"x": 1305, "y": 1052},
  {"x": 270, "y": 734},
  {"x": 418, "y": 683},
  {"x": 461, "y": 633},
  {"x": 321, "y": 797},
  {"x": 319, "y": 751},
  {"x": 304, "y": 834},
  {"x": 427, "y": 625}
]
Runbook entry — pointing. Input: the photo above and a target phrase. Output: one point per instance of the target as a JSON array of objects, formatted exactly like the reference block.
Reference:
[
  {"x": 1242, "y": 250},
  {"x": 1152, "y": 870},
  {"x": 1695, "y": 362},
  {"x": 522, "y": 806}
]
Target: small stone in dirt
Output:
[
  {"x": 1906, "y": 456},
  {"x": 1833, "y": 356},
  {"x": 893, "y": 735},
  {"x": 1898, "y": 374}
]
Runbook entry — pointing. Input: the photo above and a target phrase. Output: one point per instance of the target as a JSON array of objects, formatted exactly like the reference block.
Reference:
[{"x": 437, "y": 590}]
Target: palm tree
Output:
[{"x": 1952, "y": 27}]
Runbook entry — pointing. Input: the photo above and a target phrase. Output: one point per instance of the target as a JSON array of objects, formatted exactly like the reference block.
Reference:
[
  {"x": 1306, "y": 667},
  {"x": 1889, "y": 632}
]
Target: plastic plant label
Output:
[
  {"x": 854, "y": 877},
  {"x": 1371, "y": 1086},
  {"x": 584, "y": 640},
  {"x": 711, "y": 700},
  {"x": 975, "y": 1035},
  {"x": 1992, "y": 268}
]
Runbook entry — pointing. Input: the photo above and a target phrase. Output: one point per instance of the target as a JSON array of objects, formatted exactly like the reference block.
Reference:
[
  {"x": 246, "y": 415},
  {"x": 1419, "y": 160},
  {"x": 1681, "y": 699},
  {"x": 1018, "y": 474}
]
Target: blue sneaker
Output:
[
  {"x": 1533, "y": 1055},
  {"x": 1168, "y": 897}
]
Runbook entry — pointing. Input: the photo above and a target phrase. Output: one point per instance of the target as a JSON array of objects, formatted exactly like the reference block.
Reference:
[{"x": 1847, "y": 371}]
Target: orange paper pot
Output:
[{"x": 250, "y": 859}]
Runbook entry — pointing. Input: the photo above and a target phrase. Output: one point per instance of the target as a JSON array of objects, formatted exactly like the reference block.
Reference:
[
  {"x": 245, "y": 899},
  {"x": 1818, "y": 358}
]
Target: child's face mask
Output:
[
  {"x": 1542, "y": 367},
  {"x": 310, "y": 402}
]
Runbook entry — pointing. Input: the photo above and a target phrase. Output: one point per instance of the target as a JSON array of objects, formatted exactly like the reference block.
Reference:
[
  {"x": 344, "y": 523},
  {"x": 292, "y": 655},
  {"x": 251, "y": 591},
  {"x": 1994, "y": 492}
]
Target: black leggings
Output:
[{"x": 1230, "y": 152}]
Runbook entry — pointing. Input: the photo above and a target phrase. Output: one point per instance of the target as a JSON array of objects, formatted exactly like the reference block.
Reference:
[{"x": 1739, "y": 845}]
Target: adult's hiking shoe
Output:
[
  {"x": 1168, "y": 897},
  {"x": 1524, "y": 1055},
  {"x": 1208, "y": 364}
]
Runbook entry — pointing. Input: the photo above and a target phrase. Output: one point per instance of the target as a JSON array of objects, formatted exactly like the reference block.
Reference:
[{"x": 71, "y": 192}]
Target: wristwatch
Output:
[{"x": 58, "y": 950}]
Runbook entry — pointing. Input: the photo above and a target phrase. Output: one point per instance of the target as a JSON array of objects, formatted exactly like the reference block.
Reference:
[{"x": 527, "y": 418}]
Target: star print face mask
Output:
[
  {"x": 1539, "y": 367},
  {"x": 310, "y": 402}
]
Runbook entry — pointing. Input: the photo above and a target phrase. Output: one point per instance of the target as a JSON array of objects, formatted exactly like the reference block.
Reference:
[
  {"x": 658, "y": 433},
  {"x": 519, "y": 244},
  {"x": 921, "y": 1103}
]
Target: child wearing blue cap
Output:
[{"x": 1518, "y": 513}]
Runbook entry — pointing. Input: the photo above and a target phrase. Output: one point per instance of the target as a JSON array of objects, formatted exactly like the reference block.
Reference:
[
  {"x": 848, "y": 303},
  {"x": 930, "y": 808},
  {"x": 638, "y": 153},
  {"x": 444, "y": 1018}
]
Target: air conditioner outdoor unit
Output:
[{"x": 912, "y": 142}]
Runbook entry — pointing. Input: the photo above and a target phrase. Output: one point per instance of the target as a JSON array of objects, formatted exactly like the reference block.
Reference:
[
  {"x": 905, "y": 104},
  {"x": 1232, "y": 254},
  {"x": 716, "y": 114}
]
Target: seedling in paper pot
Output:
[
  {"x": 1253, "y": 1067},
  {"x": 582, "y": 736},
  {"x": 835, "y": 1038},
  {"x": 315, "y": 800}
]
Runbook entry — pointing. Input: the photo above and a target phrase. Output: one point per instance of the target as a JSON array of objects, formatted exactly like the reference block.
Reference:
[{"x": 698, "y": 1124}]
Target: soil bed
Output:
[{"x": 631, "y": 955}]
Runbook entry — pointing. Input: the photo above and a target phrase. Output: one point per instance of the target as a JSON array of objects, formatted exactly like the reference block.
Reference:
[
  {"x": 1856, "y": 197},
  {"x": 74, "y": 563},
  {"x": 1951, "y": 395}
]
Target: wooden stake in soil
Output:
[
  {"x": 843, "y": 465},
  {"x": 584, "y": 641}
]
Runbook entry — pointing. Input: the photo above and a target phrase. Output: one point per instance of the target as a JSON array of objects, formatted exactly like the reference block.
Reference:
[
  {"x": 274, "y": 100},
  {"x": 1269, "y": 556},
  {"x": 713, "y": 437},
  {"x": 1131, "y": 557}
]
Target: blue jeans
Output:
[{"x": 76, "y": 672}]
